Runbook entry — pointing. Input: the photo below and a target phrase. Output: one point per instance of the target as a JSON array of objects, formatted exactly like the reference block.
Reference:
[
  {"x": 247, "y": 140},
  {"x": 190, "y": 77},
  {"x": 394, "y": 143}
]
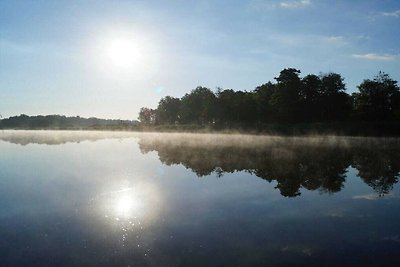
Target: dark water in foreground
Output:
[{"x": 125, "y": 199}]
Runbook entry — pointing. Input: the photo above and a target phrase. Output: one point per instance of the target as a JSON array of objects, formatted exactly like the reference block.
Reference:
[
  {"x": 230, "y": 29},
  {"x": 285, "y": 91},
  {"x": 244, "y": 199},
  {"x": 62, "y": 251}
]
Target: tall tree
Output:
[
  {"x": 310, "y": 94},
  {"x": 147, "y": 115},
  {"x": 236, "y": 107},
  {"x": 198, "y": 107},
  {"x": 262, "y": 96},
  {"x": 378, "y": 99},
  {"x": 285, "y": 99},
  {"x": 167, "y": 110},
  {"x": 226, "y": 108},
  {"x": 334, "y": 102}
]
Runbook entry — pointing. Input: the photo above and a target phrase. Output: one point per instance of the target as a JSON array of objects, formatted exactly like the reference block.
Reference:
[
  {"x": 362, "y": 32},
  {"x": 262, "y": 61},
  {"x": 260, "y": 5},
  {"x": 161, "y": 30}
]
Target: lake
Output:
[{"x": 147, "y": 199}]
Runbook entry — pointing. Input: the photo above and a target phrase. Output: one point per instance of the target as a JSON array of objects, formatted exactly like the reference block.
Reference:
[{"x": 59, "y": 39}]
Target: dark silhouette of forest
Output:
[
  {"x": 64, "y": 123},
  {"x": 290, "y": 104},
  {"x": 294, "y": 164}
]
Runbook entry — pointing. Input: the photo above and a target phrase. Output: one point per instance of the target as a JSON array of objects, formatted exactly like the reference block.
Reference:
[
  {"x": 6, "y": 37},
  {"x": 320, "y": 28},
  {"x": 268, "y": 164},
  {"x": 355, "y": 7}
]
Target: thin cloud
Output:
[
  {"x": 335, "y": 40},
  {"x": 372, "y": 56},
  {"x": 295, "y": 4},
  {"x": 395, "y": 14},
  {"x": 374, "y": 197},
  {"x": 367, "y": 197}
]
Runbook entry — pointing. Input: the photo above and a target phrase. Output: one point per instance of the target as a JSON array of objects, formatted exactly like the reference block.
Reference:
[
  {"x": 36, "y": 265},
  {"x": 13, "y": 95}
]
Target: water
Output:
[{"x": 129, "y": 199}]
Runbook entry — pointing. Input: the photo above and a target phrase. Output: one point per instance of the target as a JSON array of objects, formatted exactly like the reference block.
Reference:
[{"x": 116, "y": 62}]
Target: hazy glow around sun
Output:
[{"x": 123, "y": 53}]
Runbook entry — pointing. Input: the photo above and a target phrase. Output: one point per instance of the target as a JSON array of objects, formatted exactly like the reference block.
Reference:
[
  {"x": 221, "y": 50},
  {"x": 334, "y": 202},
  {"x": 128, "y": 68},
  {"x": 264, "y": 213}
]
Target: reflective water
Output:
[{"x": 128, "y": 199}]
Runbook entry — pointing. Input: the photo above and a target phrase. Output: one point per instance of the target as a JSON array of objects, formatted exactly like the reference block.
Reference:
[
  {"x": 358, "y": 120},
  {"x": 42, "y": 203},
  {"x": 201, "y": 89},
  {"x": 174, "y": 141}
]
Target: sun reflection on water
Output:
[
  {"x": 130, "y": 211},
  {"x": 139, "y": 202},
  {"x": 127, "y": 206}
]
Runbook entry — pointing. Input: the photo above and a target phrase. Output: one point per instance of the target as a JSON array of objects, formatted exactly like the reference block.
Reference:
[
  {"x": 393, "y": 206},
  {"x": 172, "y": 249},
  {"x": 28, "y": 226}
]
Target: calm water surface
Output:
[{"x": 128, "y": 199}]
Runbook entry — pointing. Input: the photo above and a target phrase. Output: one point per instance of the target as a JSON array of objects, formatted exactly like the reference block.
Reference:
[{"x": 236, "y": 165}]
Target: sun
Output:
[
  {"x": 126, "y": 206},
  {"x": 123, "y": 53},
  {"x": 124, "y": 56}
]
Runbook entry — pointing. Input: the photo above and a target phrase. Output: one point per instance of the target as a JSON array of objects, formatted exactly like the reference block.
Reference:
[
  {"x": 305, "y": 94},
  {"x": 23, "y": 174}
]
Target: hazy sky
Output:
[{"x": 109, "y": 58}]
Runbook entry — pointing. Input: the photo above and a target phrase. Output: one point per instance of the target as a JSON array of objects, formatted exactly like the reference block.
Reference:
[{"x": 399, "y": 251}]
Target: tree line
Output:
[
  {"x": 290, "y": 99},
  {"x": 62, "y": 122}
]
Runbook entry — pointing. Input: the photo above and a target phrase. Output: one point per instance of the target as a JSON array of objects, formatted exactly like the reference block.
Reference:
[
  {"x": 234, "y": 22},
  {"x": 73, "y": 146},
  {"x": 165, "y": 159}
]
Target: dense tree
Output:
[
  {"x": 285, "y": 99},
  {"x": 378, "y": 99},
  {"x": 199, "y": 106},
  {"x": 292, "y": 99},
  {"x": 310, "y": 95},
  {"x": 225, "y": 106},
  {"x": 235, "y": 107},
  {"x": 335, "y": 103},
  {"x": 247, "y": 107},
  {"x": 147, "y": 116},
  {"x": 168, "y": 110},
  {"x": 262, "y": 96},
  {"x": 274, "y": 107}
]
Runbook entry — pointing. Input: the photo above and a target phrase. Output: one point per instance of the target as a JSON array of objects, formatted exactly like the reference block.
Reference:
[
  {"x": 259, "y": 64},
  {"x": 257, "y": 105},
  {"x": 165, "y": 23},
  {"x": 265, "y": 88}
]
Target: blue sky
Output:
[{"x": 55, "y": 55}]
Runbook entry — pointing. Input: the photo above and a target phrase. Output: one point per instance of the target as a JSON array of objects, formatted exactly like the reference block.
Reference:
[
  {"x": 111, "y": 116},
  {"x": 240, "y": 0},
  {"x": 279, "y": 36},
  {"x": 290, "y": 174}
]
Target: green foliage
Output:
[
  {"x": 198, "y": 107},
  {"x": 236, "y": 107},
  {"x": 147, "y": 116},
  {"x": 262, "y": 96},
  {"x": 378, "y": 99},
  {"x": 291, "y": 100},
  {"x": 285, "y": 99},
  {"x": 335, "y": 103},
  {"x": 168, "y": 110},
  {"x": 310, "y": 98}
]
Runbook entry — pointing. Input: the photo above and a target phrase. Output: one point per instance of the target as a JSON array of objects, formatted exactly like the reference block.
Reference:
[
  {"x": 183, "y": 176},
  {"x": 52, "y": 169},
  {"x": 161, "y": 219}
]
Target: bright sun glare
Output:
[
  {"x": 123, "y": 53},
  {"x": 140, "y": 201},
  {"x": 126, "y": 206}
]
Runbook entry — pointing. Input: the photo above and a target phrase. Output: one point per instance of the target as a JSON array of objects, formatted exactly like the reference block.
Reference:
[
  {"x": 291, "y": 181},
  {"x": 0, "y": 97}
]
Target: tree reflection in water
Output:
[
  {"x": 378, "y": 168},
  {"x": 315, "y": 163}
]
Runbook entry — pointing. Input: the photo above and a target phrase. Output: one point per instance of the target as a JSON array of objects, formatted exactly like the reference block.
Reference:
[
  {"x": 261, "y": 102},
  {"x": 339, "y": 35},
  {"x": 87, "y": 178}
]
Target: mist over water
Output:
[
  {"x": 168, "y": 199},
  {"x": 54, "y": 137},
  {"x": 319, "y": 162},
  {"x": 48, "y": 137}
]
